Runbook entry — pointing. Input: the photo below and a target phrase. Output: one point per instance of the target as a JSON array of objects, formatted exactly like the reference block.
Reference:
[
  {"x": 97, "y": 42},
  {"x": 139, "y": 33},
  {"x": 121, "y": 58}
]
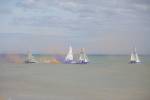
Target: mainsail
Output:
[
  {"x": 83, "y": 57},
  {"x": 134, "y": 57},
  {"x": 137, "y": 57},
  {"x": 69, "y": 56},
  {"x": 30, "y": 58},
  {"x": 30, "y": 55}
]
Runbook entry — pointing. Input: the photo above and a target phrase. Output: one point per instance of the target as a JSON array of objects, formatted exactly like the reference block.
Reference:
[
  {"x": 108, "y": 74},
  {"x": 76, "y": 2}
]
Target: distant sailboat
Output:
[
  {"x": 134, "y": 57},
  {"x": 83, "y": 59},
  {"x": 69, "y": 56},
  {"x": 30, "y": 58}
]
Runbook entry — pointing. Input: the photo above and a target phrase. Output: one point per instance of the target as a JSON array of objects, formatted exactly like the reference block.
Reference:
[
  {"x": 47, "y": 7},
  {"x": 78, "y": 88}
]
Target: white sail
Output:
[
  {"x": 69, "y": 56},
  {"x": 30, "y": 58},
  {"x": 136, "y": 56},
  {"x": 137, "y": 59},
  {"x": 132, "y": 57},
  {"x": 83, "y": 57},
  {"x": 86, "y": 59},
  {"x": 30, "y": 55}
]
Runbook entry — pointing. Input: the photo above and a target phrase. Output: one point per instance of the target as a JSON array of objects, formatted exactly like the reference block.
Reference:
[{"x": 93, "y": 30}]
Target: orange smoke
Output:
[
  {"x": 54, "y": 61},
  {"x": 14, "y": 58},
  {"x": 44, "y": 60},
  {"x": 49, "y": 60},
  {"x": 2, "y": 98}
]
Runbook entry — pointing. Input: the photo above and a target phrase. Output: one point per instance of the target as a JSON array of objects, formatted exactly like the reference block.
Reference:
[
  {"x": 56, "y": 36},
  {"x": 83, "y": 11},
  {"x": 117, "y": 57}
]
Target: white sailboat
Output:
[
  {"x": 30, "y": 58},
  {"x": 69, "y": 56},
  {"x": 83, "y": 59},
  {"x": 137, "y": 59},
  {"x": 134, "y": 57}
]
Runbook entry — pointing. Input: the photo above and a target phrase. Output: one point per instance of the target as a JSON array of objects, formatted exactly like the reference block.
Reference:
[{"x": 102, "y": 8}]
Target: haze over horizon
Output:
[{"x": 100, "y": 26}]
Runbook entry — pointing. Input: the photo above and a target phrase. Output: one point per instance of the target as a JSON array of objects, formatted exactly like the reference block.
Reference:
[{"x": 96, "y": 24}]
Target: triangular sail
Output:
[
  {"x": 136, "y": 56},
  {"x": 30, "y": 58},
  {"x": 132, "y": 57},
  {"x": 30, "y": 55},
  {"x": 69, "y": 56},
  {"x": 83, "y": 57},
  {"x": 86, "y": 58}
]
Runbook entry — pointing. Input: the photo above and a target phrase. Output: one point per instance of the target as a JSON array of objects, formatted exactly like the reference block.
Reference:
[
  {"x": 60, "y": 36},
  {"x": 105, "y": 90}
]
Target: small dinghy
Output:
[
  {"x": 134, "y": 57},
  {"x": 69, "y": 57},
  {"x": 83, "y": 59},
  {"x": 30, "y": 58}
]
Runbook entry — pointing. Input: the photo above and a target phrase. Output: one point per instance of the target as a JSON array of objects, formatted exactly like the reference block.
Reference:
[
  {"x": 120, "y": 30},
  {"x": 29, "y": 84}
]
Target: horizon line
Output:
[{"x": 90, "y": 54}]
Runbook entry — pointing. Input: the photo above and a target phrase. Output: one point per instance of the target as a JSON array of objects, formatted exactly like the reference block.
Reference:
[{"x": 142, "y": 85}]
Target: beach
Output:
[{"x": 107, "y": 78}]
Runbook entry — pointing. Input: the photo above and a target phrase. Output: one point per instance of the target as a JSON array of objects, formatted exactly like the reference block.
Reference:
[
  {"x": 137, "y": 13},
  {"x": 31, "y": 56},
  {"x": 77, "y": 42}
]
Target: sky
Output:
[{"x": 50, "y": 26}]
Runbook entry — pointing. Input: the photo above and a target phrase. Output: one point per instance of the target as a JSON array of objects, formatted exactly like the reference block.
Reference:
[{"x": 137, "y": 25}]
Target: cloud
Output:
[{"x": 85, "y": 22}]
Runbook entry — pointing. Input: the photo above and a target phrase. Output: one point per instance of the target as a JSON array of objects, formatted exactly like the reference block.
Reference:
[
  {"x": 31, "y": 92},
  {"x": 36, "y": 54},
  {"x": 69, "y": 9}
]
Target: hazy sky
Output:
[{"x": 100, "y": 26}]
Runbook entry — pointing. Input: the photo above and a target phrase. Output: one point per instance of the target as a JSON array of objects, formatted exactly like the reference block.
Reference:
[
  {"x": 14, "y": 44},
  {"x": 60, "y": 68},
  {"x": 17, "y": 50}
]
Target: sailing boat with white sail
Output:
[
  {"x": 134, "y": 57},
  {"x": 69, "y": 56},
  {"x": 30, "y": 58},
  {"x": 83, "y": 59}
]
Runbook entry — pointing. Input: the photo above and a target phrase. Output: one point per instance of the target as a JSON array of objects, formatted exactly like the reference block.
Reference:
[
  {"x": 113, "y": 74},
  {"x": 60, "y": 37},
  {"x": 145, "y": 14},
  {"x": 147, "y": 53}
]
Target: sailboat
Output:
[
  {"x": 134, "y": 57},
  {"x": 30, "y": 58},
  {"x": 83, "y": 59},
  {"x": 69, "y": 56}
]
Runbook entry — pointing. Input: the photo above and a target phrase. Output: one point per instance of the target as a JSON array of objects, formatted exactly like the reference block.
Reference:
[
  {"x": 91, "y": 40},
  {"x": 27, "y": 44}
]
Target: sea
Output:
[{"x": 106, "y": 77}]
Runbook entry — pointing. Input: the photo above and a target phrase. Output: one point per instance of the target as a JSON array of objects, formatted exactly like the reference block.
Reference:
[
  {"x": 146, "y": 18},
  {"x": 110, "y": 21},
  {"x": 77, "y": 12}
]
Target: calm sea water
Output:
[{"x": 105, "y": 78}]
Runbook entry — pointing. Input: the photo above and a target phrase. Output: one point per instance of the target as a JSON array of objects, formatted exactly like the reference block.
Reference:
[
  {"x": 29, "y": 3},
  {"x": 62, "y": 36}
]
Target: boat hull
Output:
[
  {"x": 70, "y": 62},
  {"x": 82, "y": 62},
  {"x": 75, "y": 62},
  {"x": 31, "y": 62},
  {"x": 134, "y": 62}
]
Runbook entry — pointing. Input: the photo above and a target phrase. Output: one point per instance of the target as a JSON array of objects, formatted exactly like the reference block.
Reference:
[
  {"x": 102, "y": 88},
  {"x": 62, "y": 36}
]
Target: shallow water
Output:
[{"x": 105, "y": 78}]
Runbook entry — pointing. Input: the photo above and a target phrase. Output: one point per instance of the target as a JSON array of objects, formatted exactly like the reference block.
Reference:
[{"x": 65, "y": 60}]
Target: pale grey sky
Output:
[{"x": 101, "y": 26}]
